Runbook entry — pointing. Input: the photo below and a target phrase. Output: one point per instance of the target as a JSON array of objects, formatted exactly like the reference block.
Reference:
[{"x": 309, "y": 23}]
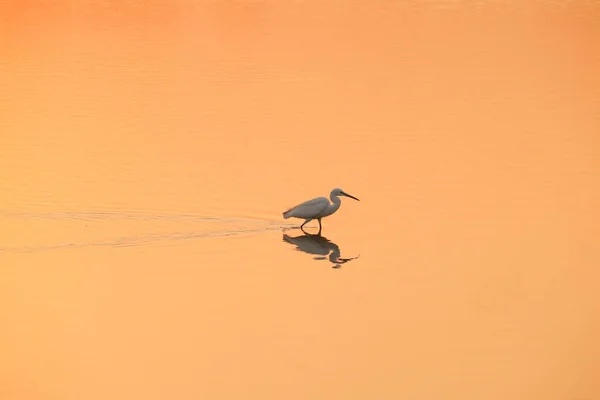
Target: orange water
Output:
[{"x": 147, "y": 150}]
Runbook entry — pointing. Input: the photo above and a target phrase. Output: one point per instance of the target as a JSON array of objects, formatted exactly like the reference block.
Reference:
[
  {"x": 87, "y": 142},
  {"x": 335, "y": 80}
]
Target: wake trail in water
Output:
[
  {"x": 139, "y": 240},
  {"x": 245, "y": 226}
]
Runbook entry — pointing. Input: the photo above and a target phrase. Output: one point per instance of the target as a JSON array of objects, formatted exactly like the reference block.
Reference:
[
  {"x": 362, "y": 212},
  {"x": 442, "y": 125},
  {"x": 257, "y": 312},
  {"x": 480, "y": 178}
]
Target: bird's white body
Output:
[{"x": 317, "y": 208}]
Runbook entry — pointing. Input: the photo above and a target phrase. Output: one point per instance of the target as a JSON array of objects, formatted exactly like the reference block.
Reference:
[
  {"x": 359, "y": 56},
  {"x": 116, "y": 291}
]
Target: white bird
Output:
[{"x": 317, "y": 208}]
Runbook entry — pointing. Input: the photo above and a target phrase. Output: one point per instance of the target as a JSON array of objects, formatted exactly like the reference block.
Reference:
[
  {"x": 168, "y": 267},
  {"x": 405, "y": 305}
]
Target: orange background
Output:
[{"x": 148, "y": 149}]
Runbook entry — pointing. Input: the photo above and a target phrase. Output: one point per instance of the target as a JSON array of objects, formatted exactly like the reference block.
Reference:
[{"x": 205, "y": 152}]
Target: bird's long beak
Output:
[{"x": 347, "y": 195}]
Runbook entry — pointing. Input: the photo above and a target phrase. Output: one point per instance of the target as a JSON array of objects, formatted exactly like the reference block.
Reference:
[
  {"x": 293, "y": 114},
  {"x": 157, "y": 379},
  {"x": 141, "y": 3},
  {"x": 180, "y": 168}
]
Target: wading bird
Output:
[{"x": 317, "y": 208}]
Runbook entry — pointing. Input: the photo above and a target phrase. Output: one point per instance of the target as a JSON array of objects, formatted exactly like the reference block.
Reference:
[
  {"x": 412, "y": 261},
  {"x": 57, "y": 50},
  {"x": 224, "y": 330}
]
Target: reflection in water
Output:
[{"x": 319, "y": 245}]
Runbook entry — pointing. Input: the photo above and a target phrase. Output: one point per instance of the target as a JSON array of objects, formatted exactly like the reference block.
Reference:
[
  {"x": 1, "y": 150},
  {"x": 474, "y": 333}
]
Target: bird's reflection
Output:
[{"x": 319, "y": 246}]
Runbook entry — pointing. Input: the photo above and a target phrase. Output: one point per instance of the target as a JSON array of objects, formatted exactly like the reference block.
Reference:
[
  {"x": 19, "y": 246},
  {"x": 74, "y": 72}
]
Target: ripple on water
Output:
[{"x": 33, "y": 232}]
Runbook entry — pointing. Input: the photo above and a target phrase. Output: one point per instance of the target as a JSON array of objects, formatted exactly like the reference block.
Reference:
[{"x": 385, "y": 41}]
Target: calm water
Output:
[{"x": 148, "y": 150}]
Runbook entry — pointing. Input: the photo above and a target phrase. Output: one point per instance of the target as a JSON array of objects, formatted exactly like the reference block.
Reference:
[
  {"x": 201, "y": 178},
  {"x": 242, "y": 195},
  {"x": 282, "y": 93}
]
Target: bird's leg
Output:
[
  {"x": 320, "y": 227},
  {"x": 305, "y": 222}
]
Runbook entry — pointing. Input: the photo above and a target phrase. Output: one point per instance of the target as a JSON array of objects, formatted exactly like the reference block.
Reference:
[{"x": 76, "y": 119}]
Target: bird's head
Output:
[{"x": 340, "y": 192}]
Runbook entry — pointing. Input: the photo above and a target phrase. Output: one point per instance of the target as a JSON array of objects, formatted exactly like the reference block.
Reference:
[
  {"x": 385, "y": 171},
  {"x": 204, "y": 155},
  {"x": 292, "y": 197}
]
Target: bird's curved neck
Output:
[
  {"x": 336, "y": 204},
  {"x": 335, "y": 199}
]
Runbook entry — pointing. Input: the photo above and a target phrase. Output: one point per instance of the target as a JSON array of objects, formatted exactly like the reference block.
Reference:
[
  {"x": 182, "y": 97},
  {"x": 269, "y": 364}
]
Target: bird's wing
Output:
[
  {"x": 309, "y": 208},
  {"x": 322, "y": 201}
]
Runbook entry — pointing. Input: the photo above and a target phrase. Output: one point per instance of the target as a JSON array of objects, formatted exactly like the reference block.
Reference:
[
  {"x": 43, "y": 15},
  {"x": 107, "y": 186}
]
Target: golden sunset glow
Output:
[{"x": 149, "y": 148}]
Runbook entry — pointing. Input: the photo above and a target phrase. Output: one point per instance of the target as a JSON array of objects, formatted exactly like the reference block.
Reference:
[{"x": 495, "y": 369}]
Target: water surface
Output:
[{"x": 149, "y": 149}]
